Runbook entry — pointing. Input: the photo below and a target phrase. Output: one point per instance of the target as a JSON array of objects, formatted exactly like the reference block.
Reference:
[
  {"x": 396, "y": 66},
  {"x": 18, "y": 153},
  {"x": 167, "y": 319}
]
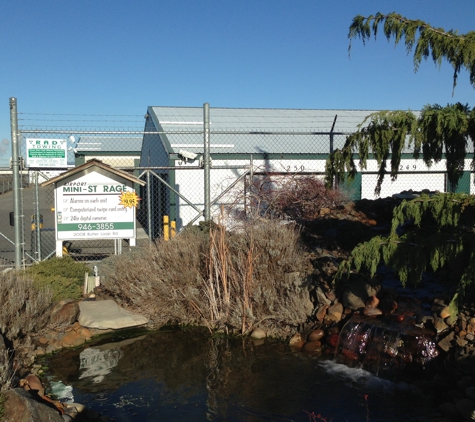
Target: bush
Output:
[
  {"x": 64, "y": 276},
  {"x": 226, "y": 280},
  {"x": 298, "y": 197},
  {"x": 24, "y": 306}
]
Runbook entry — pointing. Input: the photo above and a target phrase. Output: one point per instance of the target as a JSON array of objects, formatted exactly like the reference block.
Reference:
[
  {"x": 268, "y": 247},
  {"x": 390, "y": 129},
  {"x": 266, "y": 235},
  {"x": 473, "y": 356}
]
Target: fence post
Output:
[
  {"x": 149, "y": 209},
  {"x": 38, "y": 217},
  {"x": 16, "y": 180},
  {"x": 206, "y": 162},
  {"x": 334, "y": 182}
]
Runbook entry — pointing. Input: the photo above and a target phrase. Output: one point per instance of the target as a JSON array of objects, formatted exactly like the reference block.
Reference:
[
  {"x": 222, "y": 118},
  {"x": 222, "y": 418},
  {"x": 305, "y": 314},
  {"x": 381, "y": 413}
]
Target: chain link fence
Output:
[{"x": 172, "y": 164}]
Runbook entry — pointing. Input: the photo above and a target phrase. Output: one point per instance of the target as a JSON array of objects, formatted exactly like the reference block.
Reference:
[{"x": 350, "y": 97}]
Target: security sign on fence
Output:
[{"x": 47, "y": 153}]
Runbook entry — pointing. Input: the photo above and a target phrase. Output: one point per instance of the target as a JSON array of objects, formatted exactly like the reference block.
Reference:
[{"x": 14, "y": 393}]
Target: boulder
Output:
[
  {"x": 335, "y": 312},
  {"x": 315, "y": 335},
  {"x": 21, "y": 405},
  {"x": 465, "y": 407},
  {"x": 106, "y": 314},
  {"x": 322, "y": 297},
  {"x": 356, "y": 294},
  {"x": 64, "y": 313},
  {"x": 258, "y": 333}
]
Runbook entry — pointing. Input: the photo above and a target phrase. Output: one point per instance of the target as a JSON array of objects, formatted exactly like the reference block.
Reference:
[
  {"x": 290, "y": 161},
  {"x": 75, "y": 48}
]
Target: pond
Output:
[{"x": 185, "y": 375}]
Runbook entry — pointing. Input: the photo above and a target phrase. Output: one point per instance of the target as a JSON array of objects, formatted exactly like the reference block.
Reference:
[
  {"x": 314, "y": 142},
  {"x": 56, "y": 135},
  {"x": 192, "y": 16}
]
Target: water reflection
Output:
[{"x": 185, "y": 375}]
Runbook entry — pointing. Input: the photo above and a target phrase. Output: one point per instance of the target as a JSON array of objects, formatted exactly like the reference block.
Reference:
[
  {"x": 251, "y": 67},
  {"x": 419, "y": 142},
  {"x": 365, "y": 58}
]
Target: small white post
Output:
[{"x": 59, "y": 248}]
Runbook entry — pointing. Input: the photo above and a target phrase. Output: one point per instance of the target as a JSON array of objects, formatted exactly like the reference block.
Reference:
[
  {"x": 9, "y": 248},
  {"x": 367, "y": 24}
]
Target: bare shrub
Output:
[
  {"x": 224, "y": 280},
  {"x": 161, "y": 281},
  {"x": 297, "y": 197},
  {"x": 267, "y": 267},
  {"x": 24, "y": 306},
  {"x": 291, "y": 196}
]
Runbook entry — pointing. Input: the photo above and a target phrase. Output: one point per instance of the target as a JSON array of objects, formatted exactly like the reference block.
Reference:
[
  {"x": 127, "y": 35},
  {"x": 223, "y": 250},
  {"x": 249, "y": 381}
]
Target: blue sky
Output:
[{"x": 104, "y": 57}]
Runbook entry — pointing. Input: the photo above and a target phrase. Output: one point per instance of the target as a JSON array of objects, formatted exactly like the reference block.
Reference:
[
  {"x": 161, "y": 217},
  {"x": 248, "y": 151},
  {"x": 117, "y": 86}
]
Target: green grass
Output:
[{"x": 64, "y": 276}]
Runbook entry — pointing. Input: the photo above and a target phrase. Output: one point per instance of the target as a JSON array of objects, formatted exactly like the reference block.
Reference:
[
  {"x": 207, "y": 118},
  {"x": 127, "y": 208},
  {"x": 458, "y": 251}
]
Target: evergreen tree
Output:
[
  {"x": 437, "y": 130},
  {"x": 441, "y": 236}
]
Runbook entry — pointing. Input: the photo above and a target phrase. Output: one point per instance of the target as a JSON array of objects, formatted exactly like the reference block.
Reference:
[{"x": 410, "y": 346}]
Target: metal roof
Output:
[
  {"x": 93, "y": 165},
  {"x": 290, "y": 131},
  {"x": 109, "y": 144},
  {"x": 261, "y": 119}
]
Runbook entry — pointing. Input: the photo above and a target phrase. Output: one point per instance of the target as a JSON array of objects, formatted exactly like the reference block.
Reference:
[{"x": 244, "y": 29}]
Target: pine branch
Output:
[
  {"x": 427, "y": 41},
  {"x": 439, "y": 132}
]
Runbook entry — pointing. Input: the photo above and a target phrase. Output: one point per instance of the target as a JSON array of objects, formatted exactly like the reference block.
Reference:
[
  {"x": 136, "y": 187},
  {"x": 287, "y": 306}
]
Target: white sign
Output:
[
  {"x": 46, "y": 153},
  {"x": 95, "y": 206}
]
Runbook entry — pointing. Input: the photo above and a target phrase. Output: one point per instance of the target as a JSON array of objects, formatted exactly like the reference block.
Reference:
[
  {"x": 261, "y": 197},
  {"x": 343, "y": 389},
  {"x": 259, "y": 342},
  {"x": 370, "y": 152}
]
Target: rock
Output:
[
  {"x": 335, "y": 312},
  {"x": 355, "y": 295},
  {"x": 448, "y": 409},
  {"x": 258, "y": 341},
  {"x": 445, "y": 343},
  {"x": 315, "y": 335},
  {"x": 21, "y": 405},
  {"x": 296, "y": 340},
  {"x": 464, "y": 382},
  {"x": 321, "y": 313},
  {"x": 321, "y": 297},
  {"x": 371, "y": 311},
  {"x": 106, "y": 314},
  {"x": 312, "y": 347},
  {"x": 465, "y": 407},
  {"x": 372, "y": 301},
  {"x": 72, "y": 339},
  {"x": 440, "y": 324},
  {"x": 470, "y": 392},
  {"x": 451, "y": 320},
  {"x": 444, "y": 312},
  {"x": 75, "y": 336},
  {"x": 258, "y": 333},
  {"x": 64, "y": 313},
  {"x": 331, "y": 296},
  {"x": 387, "y": 305}
]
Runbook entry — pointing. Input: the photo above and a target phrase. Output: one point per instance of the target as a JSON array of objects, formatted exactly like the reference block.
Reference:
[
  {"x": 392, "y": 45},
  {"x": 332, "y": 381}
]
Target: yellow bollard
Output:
[
  {"x": 173, "y": 229},
  {"x": 33, "y": 222},
  {"x": 166, "y": 228}
]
